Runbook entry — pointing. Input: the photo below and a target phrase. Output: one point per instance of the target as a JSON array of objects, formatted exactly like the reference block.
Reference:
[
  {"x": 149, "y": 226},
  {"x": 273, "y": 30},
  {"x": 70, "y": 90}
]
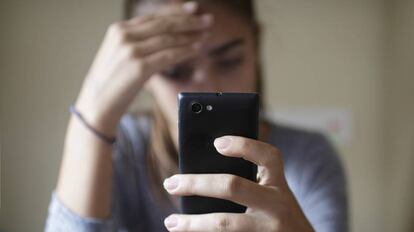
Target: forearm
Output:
[
  {"x": 126, "y": 59},
  {"x": 84, "y": 183}
]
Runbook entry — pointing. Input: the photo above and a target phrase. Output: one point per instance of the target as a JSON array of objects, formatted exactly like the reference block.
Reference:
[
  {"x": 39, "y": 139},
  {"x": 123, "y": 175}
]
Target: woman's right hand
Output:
[{"x": 131, "y": 52}]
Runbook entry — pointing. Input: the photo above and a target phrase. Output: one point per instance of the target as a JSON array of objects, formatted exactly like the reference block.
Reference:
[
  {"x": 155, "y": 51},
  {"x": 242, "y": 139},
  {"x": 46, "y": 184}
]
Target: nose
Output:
[{"x": 204, "y": 81}]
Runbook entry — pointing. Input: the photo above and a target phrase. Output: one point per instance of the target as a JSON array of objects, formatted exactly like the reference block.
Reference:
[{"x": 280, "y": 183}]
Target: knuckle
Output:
[
  {"x": 130, "y": 50},
  {"x": 116, "y": 28},
  {"x": 137, "y": 53},
  {"x": 233, "y": 185},
  {"x": 144, "y": 68},
  {"x": 122, "y": 35},
  {"x": 118, "y": 31},
  {"x": 243, "y": 143},
  {"x": 188, "y": 185},
  {"x": 222, "y": 223},
  {"x": 274, "y": 153},
  {"x": 275, "y": 224},
  {"x": 270, "y": 155},
  {"x": 185, "y": 225},
  {"x": 113, "y": 27},
  {"x": 274, "y": 150},
  {"x": 140, "y": 67}
]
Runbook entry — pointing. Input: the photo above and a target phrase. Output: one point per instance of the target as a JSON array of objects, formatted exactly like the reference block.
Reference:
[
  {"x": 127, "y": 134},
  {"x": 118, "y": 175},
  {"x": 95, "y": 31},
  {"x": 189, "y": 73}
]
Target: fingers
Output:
[
  {"x": 211, "y": 222},
  {"x": 161, "y": 42},
  {"x": 157, "y": 52},
  {"x": 173, "y": 18},
  {"x": 176, "y": 8},
  {"x": 265, "y": 156},
  {"x": 157, "y": 61},
  {"x": 170, "y": 24},
  {"x": 223, "y": 186},
  {"x": 164, "y": 38},
  {"x": 153, "y": 26}
]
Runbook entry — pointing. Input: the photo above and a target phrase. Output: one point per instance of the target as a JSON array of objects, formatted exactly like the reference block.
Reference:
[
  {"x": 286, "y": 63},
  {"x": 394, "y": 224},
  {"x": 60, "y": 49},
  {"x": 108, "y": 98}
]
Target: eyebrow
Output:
[{"x": 219, "y": 50}]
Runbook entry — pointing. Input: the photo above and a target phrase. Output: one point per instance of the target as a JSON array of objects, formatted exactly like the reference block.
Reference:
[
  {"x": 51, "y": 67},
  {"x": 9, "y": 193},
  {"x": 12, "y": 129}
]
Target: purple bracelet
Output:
[{"x": 106, "y": 139}]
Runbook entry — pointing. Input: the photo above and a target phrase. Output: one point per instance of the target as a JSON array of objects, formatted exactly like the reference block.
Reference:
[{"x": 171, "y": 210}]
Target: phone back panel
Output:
[{"x": 231, "y": 114}]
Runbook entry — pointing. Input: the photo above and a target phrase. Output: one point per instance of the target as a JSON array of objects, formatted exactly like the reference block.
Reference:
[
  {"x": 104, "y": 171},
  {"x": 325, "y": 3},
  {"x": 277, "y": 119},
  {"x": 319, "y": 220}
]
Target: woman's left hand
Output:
[{"x": 270, "y": 204}]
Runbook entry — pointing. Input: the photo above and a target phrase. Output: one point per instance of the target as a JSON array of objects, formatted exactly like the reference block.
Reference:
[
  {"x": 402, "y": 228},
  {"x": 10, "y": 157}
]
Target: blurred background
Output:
[{"x": 345, "y": 67}]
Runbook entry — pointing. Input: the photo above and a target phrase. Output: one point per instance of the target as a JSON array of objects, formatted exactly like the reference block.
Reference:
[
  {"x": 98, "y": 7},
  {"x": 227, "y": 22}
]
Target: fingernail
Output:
[
  {"x": 222, "y": 143},
  {"x": 207, "y": 19},
  {"x": 190, "y": 7},
  {"x": 171, "y": 222},
  {"x": 171, "y": 183}
]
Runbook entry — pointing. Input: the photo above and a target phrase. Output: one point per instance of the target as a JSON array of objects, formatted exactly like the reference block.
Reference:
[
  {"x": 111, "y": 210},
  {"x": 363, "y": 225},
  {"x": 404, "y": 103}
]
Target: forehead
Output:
[{"x": 227, "y": 25}]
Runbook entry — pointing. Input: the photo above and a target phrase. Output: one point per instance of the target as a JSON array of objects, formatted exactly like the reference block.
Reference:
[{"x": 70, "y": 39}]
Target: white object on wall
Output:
[{"x": 336, "y": 123}]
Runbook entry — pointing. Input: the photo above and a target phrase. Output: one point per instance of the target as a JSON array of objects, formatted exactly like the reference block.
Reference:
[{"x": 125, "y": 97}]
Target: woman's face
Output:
[{"x": 226, "y": 63}]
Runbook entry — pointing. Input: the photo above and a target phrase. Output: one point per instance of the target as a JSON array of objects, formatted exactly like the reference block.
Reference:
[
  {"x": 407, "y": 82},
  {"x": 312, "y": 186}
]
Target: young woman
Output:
[{"x": 133, "y": 185}]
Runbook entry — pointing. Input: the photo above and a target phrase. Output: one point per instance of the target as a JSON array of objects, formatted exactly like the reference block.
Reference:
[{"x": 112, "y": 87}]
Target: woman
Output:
[{"x": 132, "y": 185}]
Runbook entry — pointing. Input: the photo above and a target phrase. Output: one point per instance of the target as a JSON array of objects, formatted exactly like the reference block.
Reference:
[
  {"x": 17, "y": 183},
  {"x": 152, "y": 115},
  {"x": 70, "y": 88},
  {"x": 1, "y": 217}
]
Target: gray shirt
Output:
[{"x": 312, "y": 168}]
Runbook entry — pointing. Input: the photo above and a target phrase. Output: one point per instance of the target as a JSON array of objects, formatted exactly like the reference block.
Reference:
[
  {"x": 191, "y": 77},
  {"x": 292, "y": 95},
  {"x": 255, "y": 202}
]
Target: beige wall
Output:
[
  {"x": 46, "y": 48},
  {"x": 320, "y": 53},
  {"x": 399, "y": 91},
  {"x": 329, "y": 53}
]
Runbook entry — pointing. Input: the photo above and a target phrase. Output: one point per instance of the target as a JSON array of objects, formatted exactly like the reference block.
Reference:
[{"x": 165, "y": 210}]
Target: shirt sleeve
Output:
[
  {"x": 61, "y": 218},
  {"x": 321, "y": 186}
]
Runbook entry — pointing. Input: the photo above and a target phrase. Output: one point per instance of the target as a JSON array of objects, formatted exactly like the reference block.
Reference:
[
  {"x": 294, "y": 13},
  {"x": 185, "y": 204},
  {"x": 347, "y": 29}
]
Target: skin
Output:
[
  {"x": 209, "y": 75},
  {"x": 140, "y": 53}
]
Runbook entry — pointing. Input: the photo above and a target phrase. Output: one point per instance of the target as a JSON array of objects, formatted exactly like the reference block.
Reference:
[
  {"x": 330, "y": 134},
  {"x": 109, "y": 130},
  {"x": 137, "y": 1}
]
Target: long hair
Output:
[{"x": 162, "y": 157}]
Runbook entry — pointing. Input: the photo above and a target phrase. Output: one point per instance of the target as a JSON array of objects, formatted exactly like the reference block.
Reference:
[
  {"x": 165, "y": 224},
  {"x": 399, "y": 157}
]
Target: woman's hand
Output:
[
  {"x": 131, "y": 52},
  {"x": 271, "y": 205}
]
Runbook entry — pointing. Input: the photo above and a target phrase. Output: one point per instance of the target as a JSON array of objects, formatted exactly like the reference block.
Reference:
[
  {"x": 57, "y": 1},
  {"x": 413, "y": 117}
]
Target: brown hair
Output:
[{"x": 162, "y": 157}]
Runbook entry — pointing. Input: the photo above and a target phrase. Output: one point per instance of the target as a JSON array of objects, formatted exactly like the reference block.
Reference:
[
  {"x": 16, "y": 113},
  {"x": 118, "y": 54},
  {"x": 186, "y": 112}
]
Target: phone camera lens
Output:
[{"x": 196, "y": 107}]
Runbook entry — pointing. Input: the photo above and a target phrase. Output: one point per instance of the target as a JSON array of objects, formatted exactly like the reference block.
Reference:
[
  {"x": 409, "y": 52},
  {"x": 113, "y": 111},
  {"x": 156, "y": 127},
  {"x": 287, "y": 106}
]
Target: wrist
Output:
[
  {"x": 108, "y": 139},
  {"x": 104, "y": 122}
]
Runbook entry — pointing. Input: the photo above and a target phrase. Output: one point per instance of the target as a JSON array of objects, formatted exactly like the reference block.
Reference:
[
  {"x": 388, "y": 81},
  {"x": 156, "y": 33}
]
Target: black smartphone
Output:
[{"x": 202, "y": 118}]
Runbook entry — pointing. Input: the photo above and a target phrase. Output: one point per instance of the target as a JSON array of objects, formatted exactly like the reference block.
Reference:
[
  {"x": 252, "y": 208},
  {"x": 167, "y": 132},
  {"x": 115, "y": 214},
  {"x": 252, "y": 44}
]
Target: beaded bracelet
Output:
[{"x": 106, "y": 139}]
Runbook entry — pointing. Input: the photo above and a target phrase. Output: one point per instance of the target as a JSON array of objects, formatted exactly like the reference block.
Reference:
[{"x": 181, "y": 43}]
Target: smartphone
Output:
[{"x": 202, "y": 118}]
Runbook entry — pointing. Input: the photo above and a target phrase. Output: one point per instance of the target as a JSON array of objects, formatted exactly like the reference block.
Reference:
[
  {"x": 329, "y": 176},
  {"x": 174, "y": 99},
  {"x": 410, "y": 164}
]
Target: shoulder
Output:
[
  {"x": 295, "y": 141},
  {"x": 315, "y": 175},
  {"x": 307, "y": 155},
  {"x": 309, "y": 159}
]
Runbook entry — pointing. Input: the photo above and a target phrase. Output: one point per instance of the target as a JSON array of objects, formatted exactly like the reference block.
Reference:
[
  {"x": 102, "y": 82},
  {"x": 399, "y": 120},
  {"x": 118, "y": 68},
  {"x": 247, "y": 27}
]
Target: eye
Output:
[
  {"x": 228, "y": 64},
  {"x": 180, "y": 72}
]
